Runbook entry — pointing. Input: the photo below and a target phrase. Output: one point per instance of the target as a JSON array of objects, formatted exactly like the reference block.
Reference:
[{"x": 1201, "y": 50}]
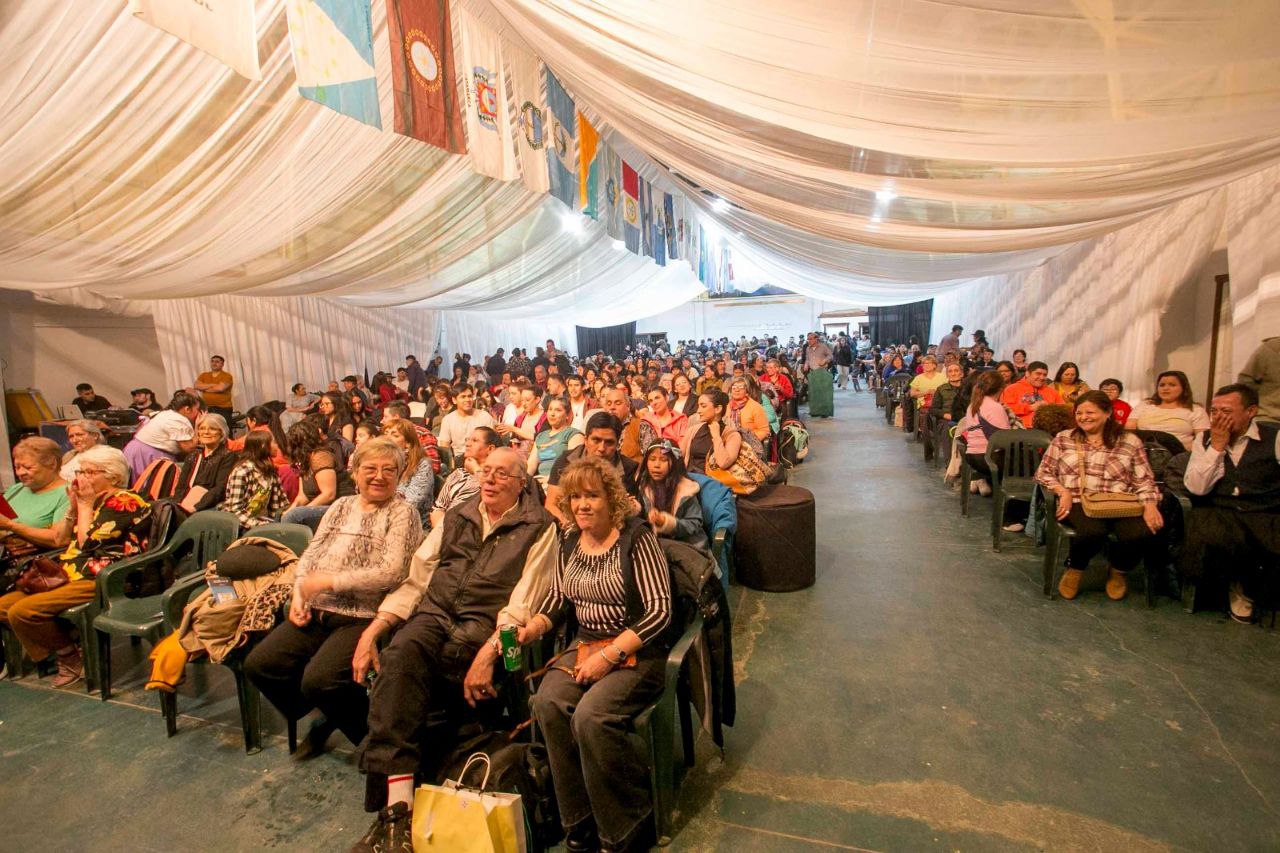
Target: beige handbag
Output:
[{"x": 1107, "y": 504}]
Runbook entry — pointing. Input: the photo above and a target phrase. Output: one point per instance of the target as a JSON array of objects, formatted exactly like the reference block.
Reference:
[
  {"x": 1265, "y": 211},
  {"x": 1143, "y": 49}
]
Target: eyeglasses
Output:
[
  {"x": 91, "y": 472},
  {"x": 499, "y": 475}
]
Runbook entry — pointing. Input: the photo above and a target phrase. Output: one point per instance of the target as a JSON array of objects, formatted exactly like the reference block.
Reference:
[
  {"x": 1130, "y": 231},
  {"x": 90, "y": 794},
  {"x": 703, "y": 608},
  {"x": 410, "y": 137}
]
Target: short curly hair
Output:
[{"x": 592, "y": 472}]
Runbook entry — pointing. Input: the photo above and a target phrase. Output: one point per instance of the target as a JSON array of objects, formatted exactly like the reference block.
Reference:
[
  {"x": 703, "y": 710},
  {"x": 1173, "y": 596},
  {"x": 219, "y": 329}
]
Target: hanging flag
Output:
[
  {"x": 630, "y": 208},
  {"x": 646, "y": 217},
  {"x": 526, "y": 87},
  {"x": 669, "y": 224},
  {"x": 423, "y": 86},
  {"x": 611, "y": 201},
  {"x": 488, "y": 124},
  {"x": 224, "y": 29},
  {"x": 333, "y": 56},
  {"x": 562, "y": 153},
  {"x": 588, "y": 167},
  {"x": 659, "y": 227}
]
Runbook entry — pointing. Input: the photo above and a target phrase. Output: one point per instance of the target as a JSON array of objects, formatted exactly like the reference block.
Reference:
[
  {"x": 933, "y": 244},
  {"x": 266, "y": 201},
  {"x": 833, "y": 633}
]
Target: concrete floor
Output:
[{"x": 923, "y": 695}]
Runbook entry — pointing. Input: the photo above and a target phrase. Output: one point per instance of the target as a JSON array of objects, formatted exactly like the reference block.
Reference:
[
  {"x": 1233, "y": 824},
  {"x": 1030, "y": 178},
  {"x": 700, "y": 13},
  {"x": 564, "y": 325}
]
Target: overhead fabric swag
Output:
[{"x": 866, "y": 155}]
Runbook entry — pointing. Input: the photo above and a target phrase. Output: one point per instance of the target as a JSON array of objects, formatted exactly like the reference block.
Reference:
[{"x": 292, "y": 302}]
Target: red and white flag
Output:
[{"x": 423, "y": 82}]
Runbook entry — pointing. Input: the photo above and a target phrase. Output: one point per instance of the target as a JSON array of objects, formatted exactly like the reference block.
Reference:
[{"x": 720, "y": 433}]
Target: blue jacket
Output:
[{"x": 719, "y": 512}]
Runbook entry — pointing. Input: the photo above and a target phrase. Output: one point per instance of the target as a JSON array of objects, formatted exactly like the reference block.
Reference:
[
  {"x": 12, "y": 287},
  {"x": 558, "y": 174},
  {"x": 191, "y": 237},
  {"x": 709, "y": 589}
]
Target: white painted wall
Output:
[
  {"x": 781, "y": 316},
  {"x": 54, "y": 347}
]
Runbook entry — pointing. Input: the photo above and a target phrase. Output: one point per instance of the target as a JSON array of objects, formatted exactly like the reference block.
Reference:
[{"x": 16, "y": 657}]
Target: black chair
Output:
[{"x": 1056, "y": 534}]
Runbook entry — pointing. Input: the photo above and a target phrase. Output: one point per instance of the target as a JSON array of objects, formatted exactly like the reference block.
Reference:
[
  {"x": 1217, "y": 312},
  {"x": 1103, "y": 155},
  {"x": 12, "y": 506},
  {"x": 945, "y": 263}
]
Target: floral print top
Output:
[{"x": 121, "y": 523}]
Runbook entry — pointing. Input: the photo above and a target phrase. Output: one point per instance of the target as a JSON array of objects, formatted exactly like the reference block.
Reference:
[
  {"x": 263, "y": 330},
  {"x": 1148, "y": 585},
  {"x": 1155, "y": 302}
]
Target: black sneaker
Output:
[{"x": 391, "y": 832}]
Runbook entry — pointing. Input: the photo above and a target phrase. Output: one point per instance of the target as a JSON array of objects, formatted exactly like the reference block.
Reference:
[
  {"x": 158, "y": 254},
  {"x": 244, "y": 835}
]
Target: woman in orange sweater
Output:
[{"x": 745, "y": 413}]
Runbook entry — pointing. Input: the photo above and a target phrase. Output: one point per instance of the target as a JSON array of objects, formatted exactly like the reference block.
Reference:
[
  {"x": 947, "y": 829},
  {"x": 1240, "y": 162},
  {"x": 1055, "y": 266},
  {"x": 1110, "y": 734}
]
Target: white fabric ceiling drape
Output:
[
  {"x": 135, "y": 167},
  {"x": 932, "y": 125}
]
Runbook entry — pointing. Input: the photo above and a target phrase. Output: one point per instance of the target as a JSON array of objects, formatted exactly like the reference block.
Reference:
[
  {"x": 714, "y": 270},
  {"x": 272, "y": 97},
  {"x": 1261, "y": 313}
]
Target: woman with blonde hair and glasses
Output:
[
  {"x": 613, "y": 580},
  {"x": 360, "y": 553}
]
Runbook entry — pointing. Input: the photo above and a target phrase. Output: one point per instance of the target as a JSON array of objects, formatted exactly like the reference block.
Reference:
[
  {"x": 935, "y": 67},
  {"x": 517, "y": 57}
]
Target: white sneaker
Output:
[
  {"x": 1015, "y": 527},
  {"x": 984, "y": 489}
]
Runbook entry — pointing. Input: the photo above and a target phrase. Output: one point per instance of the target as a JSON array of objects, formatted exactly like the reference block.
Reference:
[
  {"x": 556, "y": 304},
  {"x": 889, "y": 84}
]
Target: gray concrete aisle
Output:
[{"x": 923, "y": 695}]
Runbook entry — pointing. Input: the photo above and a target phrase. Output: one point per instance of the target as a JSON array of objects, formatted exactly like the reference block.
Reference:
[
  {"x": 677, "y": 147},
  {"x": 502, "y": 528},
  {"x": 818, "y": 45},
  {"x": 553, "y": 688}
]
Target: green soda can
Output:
[{"x": 512, "y": 654}]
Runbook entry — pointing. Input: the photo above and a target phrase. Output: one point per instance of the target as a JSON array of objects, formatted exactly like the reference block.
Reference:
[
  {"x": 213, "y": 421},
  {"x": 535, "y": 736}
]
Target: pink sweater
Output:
[{"x": 993, "y": 413}]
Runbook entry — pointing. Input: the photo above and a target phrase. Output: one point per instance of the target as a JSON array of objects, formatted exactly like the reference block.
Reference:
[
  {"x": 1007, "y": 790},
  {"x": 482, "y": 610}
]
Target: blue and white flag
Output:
[
  {"x": 562, "y": 152},
  {"x": 611, "y": 205},
  {"x": 333, "y": 56},
  {"x": 671, "y": 224},
  {"x": 646, "y": 217}
]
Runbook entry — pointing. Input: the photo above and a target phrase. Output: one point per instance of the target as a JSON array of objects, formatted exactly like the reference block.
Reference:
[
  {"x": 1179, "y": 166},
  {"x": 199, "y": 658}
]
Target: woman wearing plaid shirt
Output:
[{"x": 1113, "y": 461}]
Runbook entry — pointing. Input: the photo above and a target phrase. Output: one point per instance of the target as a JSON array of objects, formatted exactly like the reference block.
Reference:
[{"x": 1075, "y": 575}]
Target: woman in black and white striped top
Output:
[{"x": 613, "y": 579}]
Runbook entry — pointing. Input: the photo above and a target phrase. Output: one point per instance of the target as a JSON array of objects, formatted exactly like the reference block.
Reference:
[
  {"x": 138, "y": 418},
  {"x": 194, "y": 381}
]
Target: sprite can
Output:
[{"x": 512, "y": 654}]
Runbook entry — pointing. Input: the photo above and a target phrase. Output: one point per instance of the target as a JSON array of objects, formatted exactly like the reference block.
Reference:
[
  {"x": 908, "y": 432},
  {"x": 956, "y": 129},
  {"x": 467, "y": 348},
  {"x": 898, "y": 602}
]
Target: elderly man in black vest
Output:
[
  {"x": 1235, "y": 523},
  {"x": 488, "y": 564}
]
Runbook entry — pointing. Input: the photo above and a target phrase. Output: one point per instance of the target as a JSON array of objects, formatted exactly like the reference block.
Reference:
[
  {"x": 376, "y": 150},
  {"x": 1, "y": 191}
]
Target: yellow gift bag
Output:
[{"x": 459, "y": 819}]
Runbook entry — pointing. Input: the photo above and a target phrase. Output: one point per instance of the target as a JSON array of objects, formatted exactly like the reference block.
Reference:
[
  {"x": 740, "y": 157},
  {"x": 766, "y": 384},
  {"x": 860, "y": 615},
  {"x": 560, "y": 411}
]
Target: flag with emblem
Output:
[
  {"x": 672, "y": 206},
  {"x": 224, "y": 29},
  {"x": 485, "y": 80},
  {"x": 611, "y": 196},
  {"x": 531, "y": 116},
  {"x": 659, "y": 227},
  {"x": 562, "y": 147},
  {"x": 423, "y": 85},
  {"x": 646, "y": 217},
  {"x": 630, "y": 208},
  {"x": 333, "y": 56}
]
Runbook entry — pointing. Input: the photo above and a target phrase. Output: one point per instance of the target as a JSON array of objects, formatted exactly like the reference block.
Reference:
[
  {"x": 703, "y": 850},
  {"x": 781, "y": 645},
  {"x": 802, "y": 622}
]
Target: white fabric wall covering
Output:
[
  {"x": 481, "y": 333},
  {"x": 270, "y": 344},
  {"x": 1253, "y": 249},
  {"x": 1099, "y": 304},
  {"x": 932, "y": 125},
  {"x": 53, "y": 348}
]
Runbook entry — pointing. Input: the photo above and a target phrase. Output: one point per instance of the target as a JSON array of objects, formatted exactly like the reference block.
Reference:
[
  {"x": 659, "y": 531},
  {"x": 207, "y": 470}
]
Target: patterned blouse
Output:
[
  {"x": 253, "y": 497},
  {"x": 121, "y": 525},
  {"x": 592, "y": 585},
  {"x": 367, "y": 553},
  {"x": 1123, "y": 468}
]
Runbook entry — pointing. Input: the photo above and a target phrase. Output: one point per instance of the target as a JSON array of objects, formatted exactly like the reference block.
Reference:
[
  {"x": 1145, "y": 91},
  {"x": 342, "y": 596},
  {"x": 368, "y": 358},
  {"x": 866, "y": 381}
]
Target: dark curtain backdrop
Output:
[
  {"x": 897, "y": 323},
  {"x": 611, "y": 339}
]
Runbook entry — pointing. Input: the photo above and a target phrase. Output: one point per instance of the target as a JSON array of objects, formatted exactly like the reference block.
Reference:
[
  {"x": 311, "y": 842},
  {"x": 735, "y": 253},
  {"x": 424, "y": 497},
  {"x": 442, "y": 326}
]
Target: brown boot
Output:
[
  {"x": 70, "y": 668},
  {"x": 1117, "y": 587},
  {"x": 1069, "y": 586}
]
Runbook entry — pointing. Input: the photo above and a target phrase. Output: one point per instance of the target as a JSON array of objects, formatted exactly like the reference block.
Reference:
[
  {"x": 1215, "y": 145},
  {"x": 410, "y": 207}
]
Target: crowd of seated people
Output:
[
  {"x": 532, "y": 493},
  {"x": 1207, "y": 522}
]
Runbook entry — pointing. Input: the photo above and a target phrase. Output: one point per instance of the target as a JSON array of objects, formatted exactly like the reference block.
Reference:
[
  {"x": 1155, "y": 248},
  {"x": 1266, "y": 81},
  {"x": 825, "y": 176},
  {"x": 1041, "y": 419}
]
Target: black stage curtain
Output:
[
  {"x": 611, "y": 339},
  {"x": 895, "y": 324}
]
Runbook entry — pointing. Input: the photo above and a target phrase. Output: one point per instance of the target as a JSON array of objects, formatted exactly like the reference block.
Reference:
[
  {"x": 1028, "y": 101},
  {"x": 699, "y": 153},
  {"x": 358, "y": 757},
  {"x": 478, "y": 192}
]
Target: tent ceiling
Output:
[{"x": 869, "y": 151}]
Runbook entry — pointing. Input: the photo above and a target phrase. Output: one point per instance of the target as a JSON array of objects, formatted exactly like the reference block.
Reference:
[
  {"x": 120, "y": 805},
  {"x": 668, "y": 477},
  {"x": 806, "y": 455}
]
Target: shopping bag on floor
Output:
[{"x": 459, "y": 819}]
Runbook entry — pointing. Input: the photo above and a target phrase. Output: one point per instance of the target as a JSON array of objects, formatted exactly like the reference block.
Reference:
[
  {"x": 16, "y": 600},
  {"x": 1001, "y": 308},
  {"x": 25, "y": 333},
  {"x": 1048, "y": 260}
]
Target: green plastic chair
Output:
[
  {"x": 1056, "y": 535},
  {"x": 207, "y": 534},
  {"x": 1013, "y": 455},
  {"x": 295, "y": 537},
  {"x": 656, "y": 726},
  {"x": 966, "y": 477}
]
